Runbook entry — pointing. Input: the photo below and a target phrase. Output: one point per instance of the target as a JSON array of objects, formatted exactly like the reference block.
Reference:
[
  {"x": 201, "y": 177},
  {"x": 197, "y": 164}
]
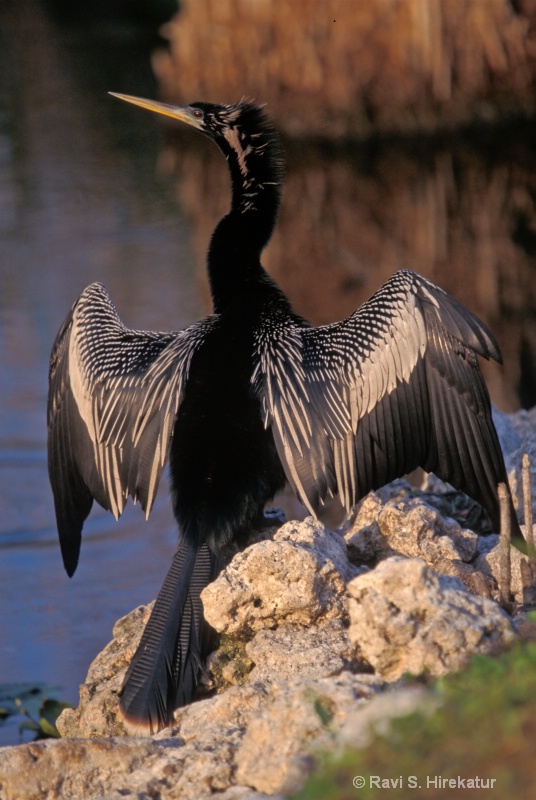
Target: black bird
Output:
[{"x": 252, "y": 397}]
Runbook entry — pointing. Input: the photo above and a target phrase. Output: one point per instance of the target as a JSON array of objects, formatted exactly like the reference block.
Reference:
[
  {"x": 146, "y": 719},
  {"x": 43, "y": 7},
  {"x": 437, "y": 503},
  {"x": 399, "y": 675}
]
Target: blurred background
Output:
[{"x": 408, "y": 129}]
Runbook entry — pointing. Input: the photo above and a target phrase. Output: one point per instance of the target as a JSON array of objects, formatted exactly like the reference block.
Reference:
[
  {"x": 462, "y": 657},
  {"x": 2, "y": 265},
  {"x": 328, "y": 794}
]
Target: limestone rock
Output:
[
  {"x": 405, "y": 524},
  {"x": 406, "y": 618},
  {"x": 514, "y": 467},
  {"x": 524, "y": 424},
  {"x": 408, "y": 527},
  {"x": 115, "y": 769},
  {"x": 470, "y": 576},
  {"x": 290, "y": 651},
  {"x": 522, "y": 573},
  {"x": 509, "y": 437},
  {"x": 307, "y": 682},
  {"x": 98, "y": 711},
  {"x": 299, "y": 717},
  {"x": 191, "y": 762},
  {"x": 375, "y": 716},
  {"x": 76, "y": 768},
  {"x": 298, "y": 578},
  {"x": 245, "y": 793},
  {"x": 517, "y": 434},
  {"x": 224, "y": 716}
]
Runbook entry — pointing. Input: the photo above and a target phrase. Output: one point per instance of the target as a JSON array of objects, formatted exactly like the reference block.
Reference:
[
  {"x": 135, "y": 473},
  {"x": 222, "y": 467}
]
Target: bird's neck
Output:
[{"x": 234, "y": 265}]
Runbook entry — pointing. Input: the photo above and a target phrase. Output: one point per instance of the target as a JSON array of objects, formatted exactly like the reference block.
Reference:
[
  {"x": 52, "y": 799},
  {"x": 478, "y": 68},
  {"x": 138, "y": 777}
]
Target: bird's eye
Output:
[{"x": 198, "y": 114}]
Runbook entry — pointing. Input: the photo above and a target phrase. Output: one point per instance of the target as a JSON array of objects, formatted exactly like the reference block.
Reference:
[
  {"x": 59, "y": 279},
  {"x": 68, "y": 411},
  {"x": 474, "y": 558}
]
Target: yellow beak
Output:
[{"x": 182, "y": 113}]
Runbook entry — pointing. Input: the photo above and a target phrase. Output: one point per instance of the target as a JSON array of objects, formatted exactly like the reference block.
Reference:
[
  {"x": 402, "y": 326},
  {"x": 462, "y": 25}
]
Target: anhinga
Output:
[{"x": 252, "y": 397}]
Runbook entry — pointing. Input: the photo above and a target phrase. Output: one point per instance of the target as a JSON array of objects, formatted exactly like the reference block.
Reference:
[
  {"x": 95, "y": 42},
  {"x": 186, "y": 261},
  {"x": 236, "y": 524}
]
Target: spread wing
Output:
[
  {"x": 355, "y": 404},
  {"x": 113, "y": 397}
]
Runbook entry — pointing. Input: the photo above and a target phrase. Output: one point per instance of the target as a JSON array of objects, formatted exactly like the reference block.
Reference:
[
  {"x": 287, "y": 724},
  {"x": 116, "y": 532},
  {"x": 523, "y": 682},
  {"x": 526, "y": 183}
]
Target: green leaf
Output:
[{"x": 47, "y": 729}]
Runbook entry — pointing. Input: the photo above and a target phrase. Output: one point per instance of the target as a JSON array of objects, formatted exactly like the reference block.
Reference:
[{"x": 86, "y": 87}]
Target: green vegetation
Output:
[
  {"x": 231, "y": 665},
  {"x": 485, "y": 727},
  {"x": 33, "y": 703}
]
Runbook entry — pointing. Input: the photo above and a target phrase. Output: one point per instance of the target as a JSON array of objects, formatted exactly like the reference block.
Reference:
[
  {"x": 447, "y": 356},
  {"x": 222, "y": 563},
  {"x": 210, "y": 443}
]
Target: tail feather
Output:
[{"x": 165, "y": 669}]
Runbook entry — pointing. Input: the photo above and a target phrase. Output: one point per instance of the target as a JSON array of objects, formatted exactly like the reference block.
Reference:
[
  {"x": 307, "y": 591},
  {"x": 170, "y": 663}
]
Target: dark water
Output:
[{"x": 81, "y": 199}]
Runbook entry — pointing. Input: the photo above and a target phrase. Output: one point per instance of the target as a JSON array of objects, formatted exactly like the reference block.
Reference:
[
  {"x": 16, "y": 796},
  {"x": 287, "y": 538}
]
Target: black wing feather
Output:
[{"x": 72, "y": 499}]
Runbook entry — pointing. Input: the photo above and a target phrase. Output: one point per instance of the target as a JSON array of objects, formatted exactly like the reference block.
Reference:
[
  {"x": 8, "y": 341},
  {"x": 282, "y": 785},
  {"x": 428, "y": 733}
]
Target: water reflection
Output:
[
  {"x": 460, "y": 212},
  {"x": 80, "y": 201}
]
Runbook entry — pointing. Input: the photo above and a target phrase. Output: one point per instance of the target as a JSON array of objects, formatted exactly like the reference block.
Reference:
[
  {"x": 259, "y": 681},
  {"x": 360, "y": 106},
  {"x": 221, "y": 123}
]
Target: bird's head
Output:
[
  {"x": 208, "y": 118},
  {"x": 248, "y": 140},
  {"x": 242, "y": 127}
]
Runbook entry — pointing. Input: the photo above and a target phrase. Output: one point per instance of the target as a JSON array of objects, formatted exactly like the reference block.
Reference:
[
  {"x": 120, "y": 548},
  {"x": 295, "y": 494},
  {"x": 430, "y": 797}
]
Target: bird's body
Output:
[
  {"x": 252, "y": 397},
  {"x": 231, "y": 467}
]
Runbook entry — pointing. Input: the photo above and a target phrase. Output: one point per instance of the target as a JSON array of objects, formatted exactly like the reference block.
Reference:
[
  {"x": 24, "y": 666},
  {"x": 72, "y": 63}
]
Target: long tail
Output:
[{"x": 165, "y": 669}]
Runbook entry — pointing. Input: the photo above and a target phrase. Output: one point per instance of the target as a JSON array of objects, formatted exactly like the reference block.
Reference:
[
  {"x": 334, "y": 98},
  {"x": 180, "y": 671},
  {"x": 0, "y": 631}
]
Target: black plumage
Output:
[{"x": 252, "y": 397}]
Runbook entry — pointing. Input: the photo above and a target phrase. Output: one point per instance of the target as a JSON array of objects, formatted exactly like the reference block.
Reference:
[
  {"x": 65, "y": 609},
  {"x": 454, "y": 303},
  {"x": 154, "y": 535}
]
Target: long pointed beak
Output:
[{"x": 182, "y": 113}]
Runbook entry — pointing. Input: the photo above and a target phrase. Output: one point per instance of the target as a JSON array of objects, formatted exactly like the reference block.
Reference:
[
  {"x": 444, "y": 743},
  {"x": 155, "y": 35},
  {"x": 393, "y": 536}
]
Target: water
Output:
[
  {"x": 82, "y": 199},
  {"x": 79, "y": 201}
]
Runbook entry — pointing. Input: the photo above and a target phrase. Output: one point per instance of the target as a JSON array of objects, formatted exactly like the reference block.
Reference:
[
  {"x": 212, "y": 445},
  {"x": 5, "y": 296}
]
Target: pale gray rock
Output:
[
  {"x": 517, "y": 434},
  {"x": 193, "y": 761},
  {"x": 408, "y": 527},
  {"x": 514, "y": 467},
  {"x": 98, "y": 711},
  {"x": 472, "y": 579},
  {"x": 364, "y": 540},
  {"x": 485, "y": 544},
  {"x": 290, "y": 651},
  {"x": 374, "y": 717},
  {"x": 510, "y": 438},
  {"x": 298, "y": 578},
  {"x": 435, "y": 537},
  {"x": 214, "y": 749},
  {"x": 522, "y": 574},
  {"x": 224, "y": 716},
  {"x": 277, "y": 753},
  {"x": 76, "y": 768},
  {"x": 523, "y": 423},
  {"x": 245, "y": 793},
  {"x": 404, "y": 617},
  {"x": 287, "y": 602}
]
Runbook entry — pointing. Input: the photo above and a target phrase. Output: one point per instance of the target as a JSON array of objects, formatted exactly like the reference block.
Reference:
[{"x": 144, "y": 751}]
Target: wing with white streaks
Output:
[
  {"x": 113, "y": 398},
  {"x": 355, "y": 404}
]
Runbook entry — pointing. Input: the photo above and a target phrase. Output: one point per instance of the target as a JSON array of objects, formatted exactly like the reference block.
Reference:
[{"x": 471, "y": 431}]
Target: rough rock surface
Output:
[
  {"x": 316, "y": 629},
  {"x": 520, "y": 429},
  {"x": 98, "y": 712},
  {"x": 522, "y": 572},
  {"x": 408, "y": 527},
  {"x": 291, "y": 651},
  {"x": 517, "y": 435},
  {"x": 404, "y": 617},
  {"x": 117, "y": 768},
  {"x": 298, "y": 578}
]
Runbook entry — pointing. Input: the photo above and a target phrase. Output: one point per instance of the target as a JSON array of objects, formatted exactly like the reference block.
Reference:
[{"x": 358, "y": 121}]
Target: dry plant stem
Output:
[
  {"x": 505, "y": 538},
  {"x": 527, "y": 502}
]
